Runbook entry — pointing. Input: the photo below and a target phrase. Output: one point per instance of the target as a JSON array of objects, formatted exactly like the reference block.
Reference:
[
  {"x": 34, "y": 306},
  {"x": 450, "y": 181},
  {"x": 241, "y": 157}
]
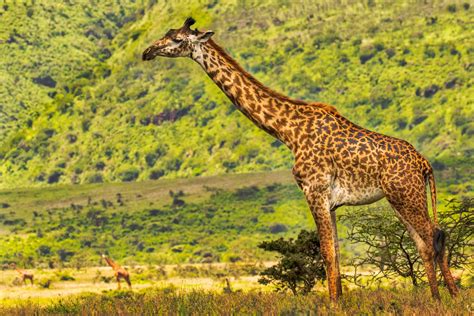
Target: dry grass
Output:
[
  {"x": 100, "y": 279},
  {"x": 179, "y": 293},
  {"x": 172, "y": 301}
]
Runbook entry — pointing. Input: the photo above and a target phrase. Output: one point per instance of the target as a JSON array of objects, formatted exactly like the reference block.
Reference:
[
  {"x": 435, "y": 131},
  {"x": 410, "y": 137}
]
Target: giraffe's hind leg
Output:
[
  {"x": 127, "y": 279},
  {"x": 442, "y": 261},
  {"x": 117, "y": 276},
  {"x": 406, "y": 193}
]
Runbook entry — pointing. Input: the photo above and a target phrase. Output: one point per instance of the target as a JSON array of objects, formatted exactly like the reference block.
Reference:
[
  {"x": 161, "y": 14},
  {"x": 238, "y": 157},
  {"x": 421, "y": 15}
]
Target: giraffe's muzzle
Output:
[{"x": 149, "y": 53}]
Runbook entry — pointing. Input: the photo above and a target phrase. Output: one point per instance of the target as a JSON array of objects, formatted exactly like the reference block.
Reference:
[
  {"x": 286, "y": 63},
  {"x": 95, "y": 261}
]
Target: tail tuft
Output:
[{"x": 439, "y": 242}]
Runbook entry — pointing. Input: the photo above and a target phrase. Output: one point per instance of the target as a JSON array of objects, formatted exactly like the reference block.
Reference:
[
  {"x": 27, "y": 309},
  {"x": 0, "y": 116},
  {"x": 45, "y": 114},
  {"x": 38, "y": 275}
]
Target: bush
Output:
[
  {"x": 392, "y": 252},
  {"x": 66, "y": 277},
  {"x": 65, "y": 255},
  {"x": 44, "y": 250},
  {"x": 247, "y": 193},
  {"x": 300, "y": 263},
  {"x": 278, "y": 228},
  {"x": 128, "y": 174},
  {"x": 452, "y": 8},
  {"x": 156, "y": 174},
  {"x": 45, "y": 283},
  {"x": 151, "y": 158},
  {"x": 458, "y": 223},
  {"x": 95, "y": 178},
  {"x": 54, "y": 176}
]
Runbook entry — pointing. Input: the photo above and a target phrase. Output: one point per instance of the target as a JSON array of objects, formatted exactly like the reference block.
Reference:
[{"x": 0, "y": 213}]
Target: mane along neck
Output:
[
  {"x": 251, "y": 79},
  {"x": 268, "y": 109}
]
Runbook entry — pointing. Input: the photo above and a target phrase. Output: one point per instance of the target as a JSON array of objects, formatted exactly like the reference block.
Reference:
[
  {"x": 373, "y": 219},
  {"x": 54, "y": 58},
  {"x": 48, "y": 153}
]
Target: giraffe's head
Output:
[{"x": 182, "y": 42}]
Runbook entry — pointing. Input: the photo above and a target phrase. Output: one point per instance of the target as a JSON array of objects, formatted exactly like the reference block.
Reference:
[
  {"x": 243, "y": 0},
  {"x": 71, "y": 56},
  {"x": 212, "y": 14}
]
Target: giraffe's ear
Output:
[{"x": 204, "y": 37}]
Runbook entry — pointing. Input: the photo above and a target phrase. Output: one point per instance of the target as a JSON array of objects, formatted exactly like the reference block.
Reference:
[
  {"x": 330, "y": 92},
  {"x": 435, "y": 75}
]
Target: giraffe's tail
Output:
[
  {"x": 431, "y": 183},
  {"x": 439, "y": 243},
  {"x": 439, "y": 236}
]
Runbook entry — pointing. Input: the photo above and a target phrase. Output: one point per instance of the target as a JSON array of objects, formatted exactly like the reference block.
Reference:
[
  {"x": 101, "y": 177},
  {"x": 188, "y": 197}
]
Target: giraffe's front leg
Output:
[
  {"x": 318, "y": 200},
  {"x": 117, "y": 276},
  {"x": 336, "y": 248}
]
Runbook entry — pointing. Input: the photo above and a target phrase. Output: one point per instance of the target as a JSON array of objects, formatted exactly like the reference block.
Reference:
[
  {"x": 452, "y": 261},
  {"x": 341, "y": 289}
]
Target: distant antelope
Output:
[{"x": 120, "y": 273}]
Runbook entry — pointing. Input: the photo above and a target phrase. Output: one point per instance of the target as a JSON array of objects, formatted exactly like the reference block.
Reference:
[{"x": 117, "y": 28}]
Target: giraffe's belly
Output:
[{"x": 354, "y": 195}]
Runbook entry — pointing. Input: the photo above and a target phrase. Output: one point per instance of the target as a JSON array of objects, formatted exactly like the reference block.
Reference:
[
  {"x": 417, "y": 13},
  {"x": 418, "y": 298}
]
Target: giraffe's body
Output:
[
  {"x": 119, "y": 272},
  {"x": 24, "y": 275},
  {"x": 336, "y": 162}
]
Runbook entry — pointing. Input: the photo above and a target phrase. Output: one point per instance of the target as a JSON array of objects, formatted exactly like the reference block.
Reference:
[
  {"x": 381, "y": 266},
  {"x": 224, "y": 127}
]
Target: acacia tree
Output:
[
  {"x": 458, "y": 222},
  {"x": 389, "y": 248},
  {"x": 300, "y": 263}
]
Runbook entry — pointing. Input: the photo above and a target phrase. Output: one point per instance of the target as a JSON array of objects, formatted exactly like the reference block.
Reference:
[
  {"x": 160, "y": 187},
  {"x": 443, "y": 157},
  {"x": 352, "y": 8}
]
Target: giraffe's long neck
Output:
[
  {"x": 268, "y": 109},
  {"x": 111, "y": 263}
]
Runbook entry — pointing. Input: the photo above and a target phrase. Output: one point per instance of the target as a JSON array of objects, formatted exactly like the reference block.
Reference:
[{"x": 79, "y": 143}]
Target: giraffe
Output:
[
  {"x": 336, "y": 162},
  {"x": 120, "y": 273},
  {"x": 25, "y": 275}
]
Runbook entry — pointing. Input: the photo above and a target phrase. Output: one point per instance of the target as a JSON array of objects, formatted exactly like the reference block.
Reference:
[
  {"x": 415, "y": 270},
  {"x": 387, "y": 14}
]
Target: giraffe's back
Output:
[{"x": 357, "y": 158}]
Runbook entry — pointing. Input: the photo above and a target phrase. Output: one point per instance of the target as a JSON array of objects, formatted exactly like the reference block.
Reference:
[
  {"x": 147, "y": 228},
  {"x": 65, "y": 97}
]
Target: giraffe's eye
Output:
[{"x": 177, "y": 40}]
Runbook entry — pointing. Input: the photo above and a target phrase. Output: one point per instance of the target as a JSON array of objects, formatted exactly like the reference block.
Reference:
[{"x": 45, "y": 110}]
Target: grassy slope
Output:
[
  {"x": 22, "y": 201},
  {"x": 223, "y": 218},
  {"x": 378, "y": 64}
]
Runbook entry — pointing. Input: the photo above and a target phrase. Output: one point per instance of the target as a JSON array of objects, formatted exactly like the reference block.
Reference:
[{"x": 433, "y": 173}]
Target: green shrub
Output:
[
  {"x": 278, "y": 228},
  {"x": 66, "y": 277},
  {"x": 300, "y": 263},
  {"x": 45, "y": 283},
  {"x": 156, "y": 174},
  {"x": 95, "y": 178},
  {"x": 54, "y": 176},
  {"x": 44, "y": 250},
  {"x": 128, "y": 174}
]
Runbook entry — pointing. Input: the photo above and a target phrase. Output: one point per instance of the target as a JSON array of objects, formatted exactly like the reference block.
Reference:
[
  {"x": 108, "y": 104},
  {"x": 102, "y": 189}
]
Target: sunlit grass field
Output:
[
  {"x": 173, "y": 300},
  {"x": 202, "y": 289}
]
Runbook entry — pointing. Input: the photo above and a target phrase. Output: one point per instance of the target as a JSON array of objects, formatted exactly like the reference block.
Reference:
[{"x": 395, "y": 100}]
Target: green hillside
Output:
[
  {"x": 206, "y": 219},
  {"x": 79, "y": 106},
  {"x": 203, "y": 219}
]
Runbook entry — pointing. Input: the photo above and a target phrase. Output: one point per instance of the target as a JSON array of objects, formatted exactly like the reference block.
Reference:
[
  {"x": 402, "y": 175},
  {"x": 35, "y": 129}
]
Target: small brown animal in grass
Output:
[
  {"x": 24, "y": 275},
  {"x": 120, "y": 273}
]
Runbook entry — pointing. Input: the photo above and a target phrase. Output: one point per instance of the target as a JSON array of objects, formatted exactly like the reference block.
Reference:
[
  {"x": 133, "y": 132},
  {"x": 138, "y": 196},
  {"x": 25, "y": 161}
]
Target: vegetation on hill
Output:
[
  {"x": 202, "y": 222},
  {"x": 79, "y": 106},
  {"x": 205, "y": 219}
]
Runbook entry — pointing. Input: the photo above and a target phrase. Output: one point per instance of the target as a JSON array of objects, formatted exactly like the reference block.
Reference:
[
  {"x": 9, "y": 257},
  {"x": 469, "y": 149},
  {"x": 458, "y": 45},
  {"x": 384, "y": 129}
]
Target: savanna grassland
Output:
[
  {"x": 173, "y": 301},
  {"x": 212, "y": 219},
  {"x": 151, "y": 164}
]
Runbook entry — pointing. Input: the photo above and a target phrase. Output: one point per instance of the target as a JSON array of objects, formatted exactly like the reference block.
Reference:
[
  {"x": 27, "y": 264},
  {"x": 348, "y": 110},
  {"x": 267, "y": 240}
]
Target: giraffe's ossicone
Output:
[{"x": 336, "y": 161}]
